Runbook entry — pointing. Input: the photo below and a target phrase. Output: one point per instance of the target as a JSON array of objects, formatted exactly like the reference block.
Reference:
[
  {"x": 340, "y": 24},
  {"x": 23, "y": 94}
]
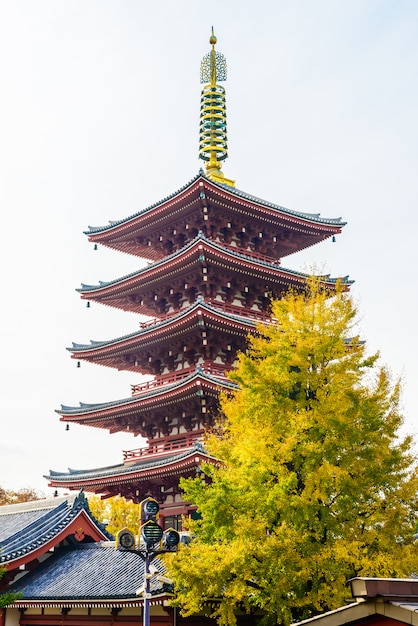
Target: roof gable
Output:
[
  {"x": 85, "y": 571},
  {"x": 376, "y": 600},
  {"x": 32, "y": 529}
]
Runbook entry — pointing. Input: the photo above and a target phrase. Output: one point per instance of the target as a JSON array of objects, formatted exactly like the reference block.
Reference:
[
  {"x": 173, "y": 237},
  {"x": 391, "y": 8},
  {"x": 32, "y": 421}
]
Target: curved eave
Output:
[
  {"x": 122, "y": 292},
  {"x": 198, "y": 193},
  {"x": 88, "y": 603},
  {"x": 126, "y": 474},
  {"x": 38, "y": 547},
  {"x": 163, "y": 395},
  {"x": 116, "y": 352}
]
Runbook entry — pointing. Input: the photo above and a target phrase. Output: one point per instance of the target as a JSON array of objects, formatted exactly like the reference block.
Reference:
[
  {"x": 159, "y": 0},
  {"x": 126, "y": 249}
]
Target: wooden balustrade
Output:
[
  {"x": 164, "y": 379},
  {"x": 159, "y": 448},
  {"x": 251, "y": 254},
  {"x": 222, "y": 306},
  {"x": 216, "y": 369}
]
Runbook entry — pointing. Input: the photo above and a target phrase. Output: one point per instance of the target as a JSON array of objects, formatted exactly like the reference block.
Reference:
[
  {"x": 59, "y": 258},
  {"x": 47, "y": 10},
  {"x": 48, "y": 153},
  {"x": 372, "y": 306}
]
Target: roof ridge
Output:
[
  {"x": 217, "y": 246},
  {"x": 126, "y": 469},
  {"x": 313, "y": 217},
  {"x": 154, "y": 391},
  {"x": 23, "y": 540},
  {"x": 35, "y": 505},
  {"x": 166, "y": 321},
  {"x": 112, "y": 223}
]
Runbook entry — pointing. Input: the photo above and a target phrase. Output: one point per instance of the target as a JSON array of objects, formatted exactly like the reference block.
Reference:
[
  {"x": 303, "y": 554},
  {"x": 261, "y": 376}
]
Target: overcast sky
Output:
[{"x": 99, "y": 112}]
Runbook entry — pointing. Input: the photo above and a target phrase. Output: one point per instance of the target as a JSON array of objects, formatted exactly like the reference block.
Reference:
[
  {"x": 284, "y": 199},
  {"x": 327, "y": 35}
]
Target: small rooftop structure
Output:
[{"x": 377, "y": 601}]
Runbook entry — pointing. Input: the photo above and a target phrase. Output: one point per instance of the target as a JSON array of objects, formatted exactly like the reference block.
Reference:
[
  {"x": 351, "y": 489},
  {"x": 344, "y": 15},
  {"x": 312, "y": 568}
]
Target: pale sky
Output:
[{"x": 99, "y": 112}]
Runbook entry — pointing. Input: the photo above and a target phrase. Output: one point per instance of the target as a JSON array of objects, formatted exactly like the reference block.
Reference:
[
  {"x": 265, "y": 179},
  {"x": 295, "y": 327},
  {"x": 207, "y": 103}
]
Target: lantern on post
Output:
[
  {"x": 153, "y": 542},
  {"x": 171, "y": 540},
  {"x": 125, "y": 539},
  {"x": 151, "y": 531}
]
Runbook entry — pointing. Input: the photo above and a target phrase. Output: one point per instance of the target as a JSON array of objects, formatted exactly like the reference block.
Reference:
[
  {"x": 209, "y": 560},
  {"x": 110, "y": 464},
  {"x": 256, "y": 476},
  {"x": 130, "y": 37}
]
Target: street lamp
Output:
[{"x": 152, "y": 542}]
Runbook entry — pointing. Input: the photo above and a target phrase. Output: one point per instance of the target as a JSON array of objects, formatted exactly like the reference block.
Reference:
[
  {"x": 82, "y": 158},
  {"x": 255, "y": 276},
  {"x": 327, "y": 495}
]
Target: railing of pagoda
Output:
[
  {"x": 159, "y": 448},
  {"x": 164, "y": 379},
  {"x": 252, "y": 254},
  {"x": 172, "y": 377},
  {"x": 156, "y": 320},
  {"x": 216, "y": 369},
  {"x": 222, "y": 306},
  {"x": 251, "y": 314}
]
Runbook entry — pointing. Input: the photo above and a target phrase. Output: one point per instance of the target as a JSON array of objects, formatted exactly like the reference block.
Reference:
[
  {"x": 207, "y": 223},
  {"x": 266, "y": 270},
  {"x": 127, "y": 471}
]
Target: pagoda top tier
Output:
[{"x": 224, "y": 214}]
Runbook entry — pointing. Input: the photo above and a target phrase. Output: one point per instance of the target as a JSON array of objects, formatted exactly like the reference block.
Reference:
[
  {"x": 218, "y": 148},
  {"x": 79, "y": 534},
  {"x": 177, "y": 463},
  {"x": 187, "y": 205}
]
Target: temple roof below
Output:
[
  {"x": 28, "y": 529},
  {"x": 88, "y": 572}
]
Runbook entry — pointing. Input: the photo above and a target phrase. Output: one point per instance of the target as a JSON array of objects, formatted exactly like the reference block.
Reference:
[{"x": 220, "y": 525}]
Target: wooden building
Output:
[
  {"x": 375, "y": 602},
  {"x": 68, "y": 572},
  {"x": 214, "y": 261}
]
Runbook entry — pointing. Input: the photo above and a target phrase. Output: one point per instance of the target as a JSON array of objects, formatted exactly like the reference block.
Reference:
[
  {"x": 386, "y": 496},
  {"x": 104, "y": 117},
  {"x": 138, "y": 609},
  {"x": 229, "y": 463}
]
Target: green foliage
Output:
[
  {"x": 7, "y": 598},
  {"x": 116, "y": 512},
  {"x": 317, "y": 485}
]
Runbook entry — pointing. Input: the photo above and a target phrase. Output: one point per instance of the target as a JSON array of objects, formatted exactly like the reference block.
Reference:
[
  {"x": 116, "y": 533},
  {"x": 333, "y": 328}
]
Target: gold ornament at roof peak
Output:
[
  {"x": 212, "y": 38},
  {"x": 213, "y": 145}
]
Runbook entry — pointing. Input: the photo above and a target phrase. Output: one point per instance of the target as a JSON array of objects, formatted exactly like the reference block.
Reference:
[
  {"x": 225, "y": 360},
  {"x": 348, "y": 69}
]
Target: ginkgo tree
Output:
[
  {"x": 116, "y": 512},
  {"x": 317, "y": 484}
]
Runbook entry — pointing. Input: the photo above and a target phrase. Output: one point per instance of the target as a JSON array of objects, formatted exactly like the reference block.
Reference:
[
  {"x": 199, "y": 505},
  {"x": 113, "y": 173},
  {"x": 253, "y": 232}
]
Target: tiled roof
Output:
[
  {"x": 312, "y": 217},
  {"x": 113, "y": 223},
  {"x": 377, "y": 600},
  {"x": 26, "y": 529},
  {"x": 13, "y": 523},
  {"x": 120, "y": 469},
  {"x": 92, "y": 571},
  {"x": 241, "y": 256},
  {"x": 169, "y": 321},
  {"x": 198, "y": 373}
]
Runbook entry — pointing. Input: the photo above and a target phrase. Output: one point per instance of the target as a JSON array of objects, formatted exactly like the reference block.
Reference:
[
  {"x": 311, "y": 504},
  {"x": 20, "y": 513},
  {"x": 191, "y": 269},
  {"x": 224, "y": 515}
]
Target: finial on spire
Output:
[
  {"x": 213, "y": 146},
  {"x": 212, "y": 38}
]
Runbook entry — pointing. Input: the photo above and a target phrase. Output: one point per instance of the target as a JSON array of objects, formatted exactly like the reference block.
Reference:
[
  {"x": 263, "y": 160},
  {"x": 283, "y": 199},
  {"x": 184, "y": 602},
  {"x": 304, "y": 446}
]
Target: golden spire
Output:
[{"x": 213, "y": 145}]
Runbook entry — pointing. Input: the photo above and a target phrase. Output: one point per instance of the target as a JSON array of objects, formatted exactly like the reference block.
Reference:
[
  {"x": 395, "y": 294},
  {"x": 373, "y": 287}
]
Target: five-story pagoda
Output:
[{"x": 214, "y": 262}]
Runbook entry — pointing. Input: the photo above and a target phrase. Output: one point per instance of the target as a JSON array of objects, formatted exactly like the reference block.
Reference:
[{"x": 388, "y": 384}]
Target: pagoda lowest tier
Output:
[{"x": 151, "y": 472}]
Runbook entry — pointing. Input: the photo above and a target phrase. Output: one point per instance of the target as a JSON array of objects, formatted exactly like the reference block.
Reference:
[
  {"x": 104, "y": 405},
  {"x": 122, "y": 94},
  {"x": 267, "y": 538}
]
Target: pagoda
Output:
[{"x": 213, "y": 257}]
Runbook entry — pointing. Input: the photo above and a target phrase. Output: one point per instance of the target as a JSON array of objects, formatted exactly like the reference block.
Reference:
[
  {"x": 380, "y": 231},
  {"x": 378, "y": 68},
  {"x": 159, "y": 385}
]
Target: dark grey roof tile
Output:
[{"x": 91, "y": 571}]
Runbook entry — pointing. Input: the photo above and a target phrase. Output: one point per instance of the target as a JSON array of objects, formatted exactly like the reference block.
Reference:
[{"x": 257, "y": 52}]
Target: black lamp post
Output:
[{"x": 152, "y": 542}]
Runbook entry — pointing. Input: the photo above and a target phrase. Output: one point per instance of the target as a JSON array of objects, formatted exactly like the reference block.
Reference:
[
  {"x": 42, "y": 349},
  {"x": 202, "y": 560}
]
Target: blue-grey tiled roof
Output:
[
  {"x": 11, "y": 523},
  {"x": 23, "y": 532},
  {"x": 121, "y": 469},
  {"x": 239, "y": 255},
  {"x": 85, "y": 407},
  {"x": 312, "y": 217},
  {"x": 85, "y": 572},
  {"x": 169, "y": 321}
]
